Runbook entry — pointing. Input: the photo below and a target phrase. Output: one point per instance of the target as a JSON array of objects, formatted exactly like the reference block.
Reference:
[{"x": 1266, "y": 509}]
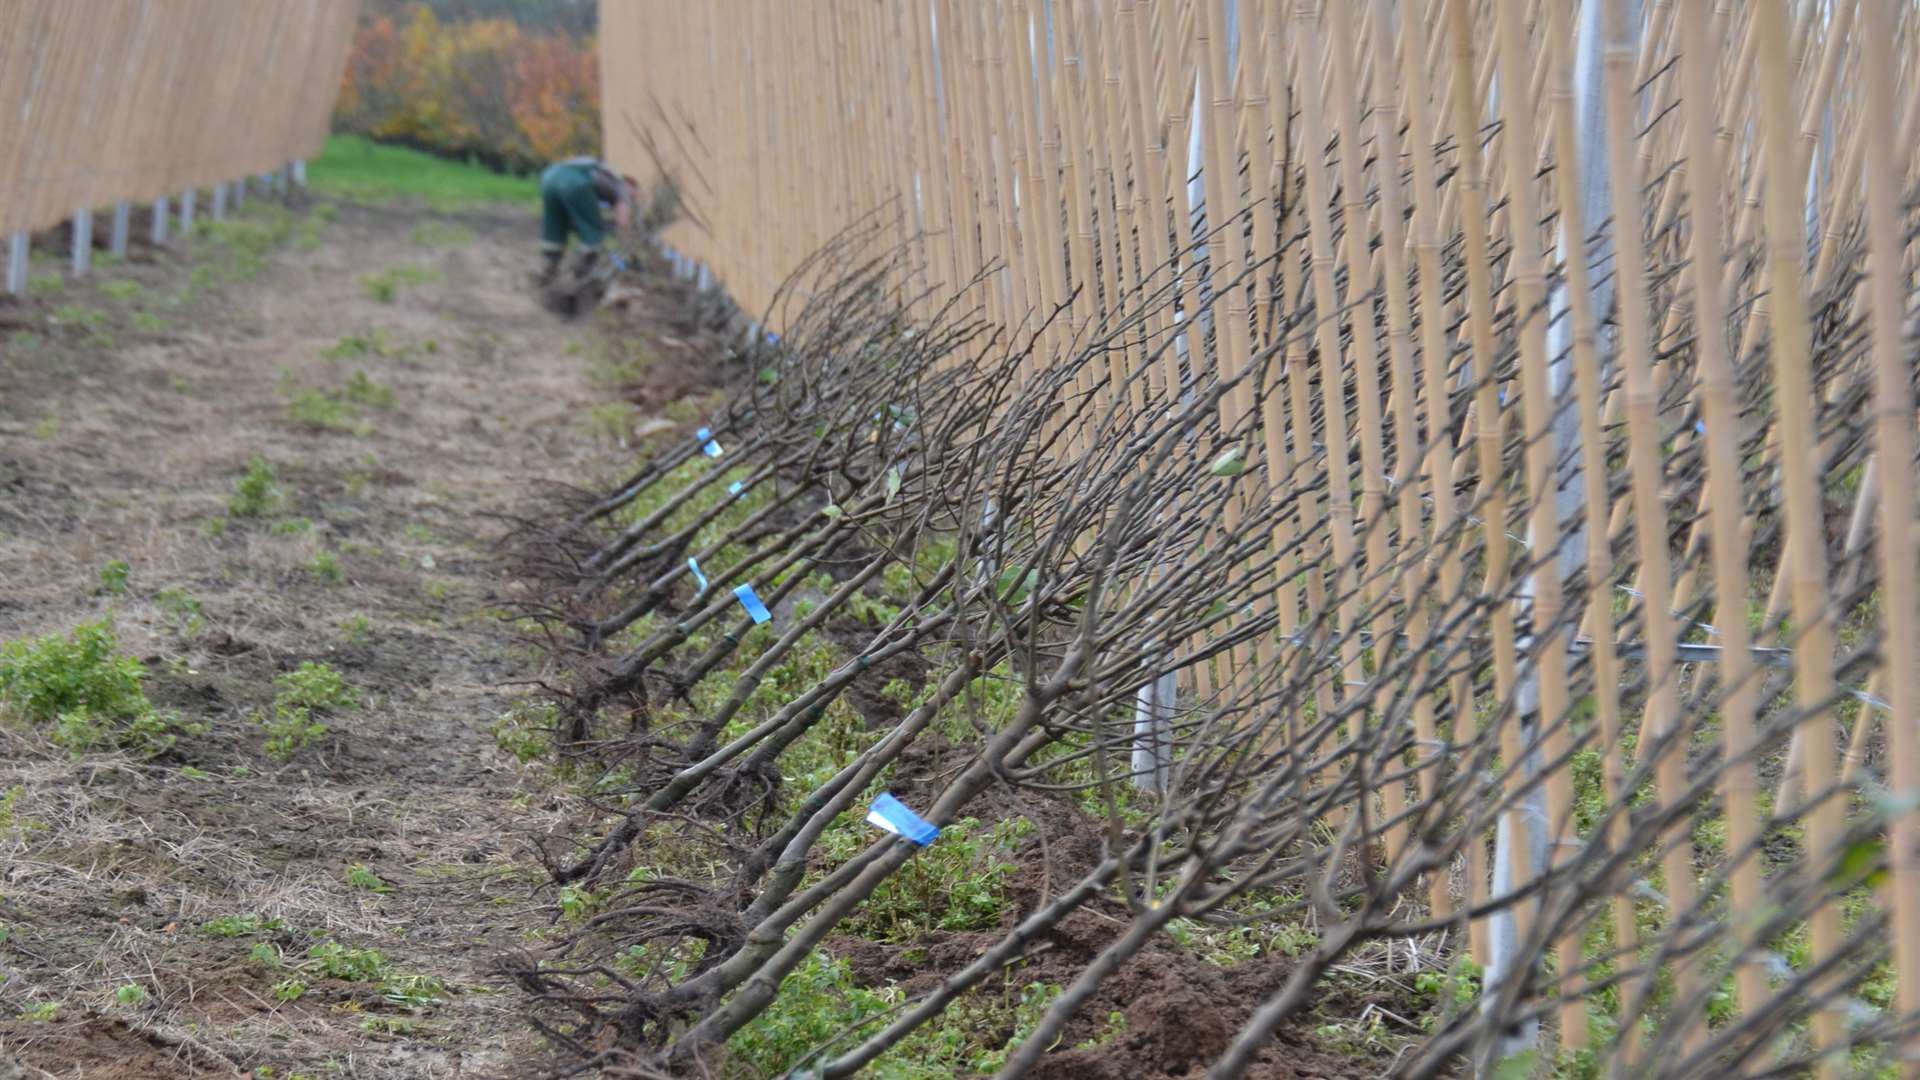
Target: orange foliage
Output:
[{"x": 485, "y": 89}]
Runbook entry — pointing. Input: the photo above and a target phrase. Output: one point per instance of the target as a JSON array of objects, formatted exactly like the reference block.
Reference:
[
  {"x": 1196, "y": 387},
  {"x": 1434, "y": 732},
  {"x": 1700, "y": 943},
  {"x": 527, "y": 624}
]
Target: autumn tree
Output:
[{"x": 487, "y": 89}]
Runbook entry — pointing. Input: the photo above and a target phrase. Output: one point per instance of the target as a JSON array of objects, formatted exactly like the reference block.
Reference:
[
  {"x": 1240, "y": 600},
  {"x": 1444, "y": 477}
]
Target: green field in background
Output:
[{"x": 356, "y": 168}]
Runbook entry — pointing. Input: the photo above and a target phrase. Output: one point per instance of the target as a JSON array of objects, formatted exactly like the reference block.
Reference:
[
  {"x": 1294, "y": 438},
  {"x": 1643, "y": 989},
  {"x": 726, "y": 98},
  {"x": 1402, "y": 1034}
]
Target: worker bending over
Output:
[{"x": 575, "y": 195}]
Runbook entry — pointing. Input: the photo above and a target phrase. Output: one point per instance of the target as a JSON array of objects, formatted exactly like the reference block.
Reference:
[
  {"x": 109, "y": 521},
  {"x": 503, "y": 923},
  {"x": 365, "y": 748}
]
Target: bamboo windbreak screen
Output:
[
  {"x": 1555, "y": 361},
  {"x": 134, "y": 99}
]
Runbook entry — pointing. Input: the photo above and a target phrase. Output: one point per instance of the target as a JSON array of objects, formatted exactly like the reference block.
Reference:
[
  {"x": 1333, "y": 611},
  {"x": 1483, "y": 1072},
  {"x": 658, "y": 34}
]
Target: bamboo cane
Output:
[{"x": 1893, "y": 440}]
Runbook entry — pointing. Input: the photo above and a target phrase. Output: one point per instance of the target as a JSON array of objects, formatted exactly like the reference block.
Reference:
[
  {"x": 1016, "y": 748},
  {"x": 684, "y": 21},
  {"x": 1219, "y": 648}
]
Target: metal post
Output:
[
  {"x": 17, "y": 263},
  {"x": 162, "y": 217},
  {"x": 82, "y": 241},
  {"x": 122, "y": 218},
  {"x": 240, "y": 193},
  {"x": 220, "y": 202},
  {"x": 186, "y": 211},
  {"x": 299, "y": 169}
]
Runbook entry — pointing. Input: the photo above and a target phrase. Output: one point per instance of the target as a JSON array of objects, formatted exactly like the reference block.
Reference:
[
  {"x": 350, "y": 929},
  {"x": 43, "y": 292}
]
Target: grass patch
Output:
[
  {"x": 385, "y": 286},
  {"x": 121, "y": 291},
  {"x": 375, "y": 342},
  {"x": 238, "y": 248},
  {"x": 322, "y": 410},
  {"x": 441, "y": 234},
  {"x": 356, "y": 168}
]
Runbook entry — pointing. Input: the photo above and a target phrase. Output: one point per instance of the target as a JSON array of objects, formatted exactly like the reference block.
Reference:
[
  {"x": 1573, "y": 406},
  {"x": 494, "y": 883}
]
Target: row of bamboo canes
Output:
[
  {"x": 134, "y": 99},
  {"x": 1657, "y": 256}
]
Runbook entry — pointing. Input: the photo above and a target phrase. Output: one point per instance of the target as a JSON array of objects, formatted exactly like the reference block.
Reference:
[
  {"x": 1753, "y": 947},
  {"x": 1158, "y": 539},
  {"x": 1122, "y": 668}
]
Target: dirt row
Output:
[{"x": 404, "y": 392}]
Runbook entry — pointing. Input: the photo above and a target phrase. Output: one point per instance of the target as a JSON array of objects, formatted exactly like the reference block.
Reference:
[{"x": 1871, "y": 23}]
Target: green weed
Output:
[
  {"x": 86, "y": 693},
  {"x": 47, "y": 428},
  {"x": 820, "y": 1002},
  {"x": 413, "y": 991},
  {"x": 92, "y": 320},
  {"x": 238, "y": 248},
  {"x": 12, "y": 821},
  {"x": 617, "y": 364},
  {"x": 610, "y": 420},
  {"x": 385, "y": 286},
  {"x": 337, "y": 961},
  {"x": 526, "y": 729},
  {"x": 130, "y": 994},
  {"x": 1116, "y": 1027},
  {"x": 256, "y": 492},
  {"x": 121, "y": 291},
  {"x": 184, "y": 611},
  {"x": 361, "y": 876},
  {"x": 41, "y": 1012},
  {"x": 317, "y": 686},
  {"x": 364, "y": 391},
  {"x": 321, "y": 411},
  {"x": 959, "y": 883},
  {"x": 232, "y": 926},
  {"x": 146, "y": 322},
  {"x": 325, "y": 566},
  {"x": 374, "y": 342},
  {"x": 113, "y": 577},
  {"x": 441, "y": 234},
  {"x": 45, "y": 284},
  {"x": 289, "y": 722}
]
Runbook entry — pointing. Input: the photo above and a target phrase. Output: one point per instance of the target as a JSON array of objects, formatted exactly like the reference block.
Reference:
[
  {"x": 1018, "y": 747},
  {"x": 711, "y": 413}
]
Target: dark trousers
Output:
[{"x": 570, "y": 204}]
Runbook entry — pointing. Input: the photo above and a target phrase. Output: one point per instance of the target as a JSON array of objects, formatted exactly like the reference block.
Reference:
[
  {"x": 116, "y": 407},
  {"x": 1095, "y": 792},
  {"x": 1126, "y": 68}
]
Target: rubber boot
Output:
[
  {"x": 591, "y": 266},
  {"x": 549, "y": 269}
]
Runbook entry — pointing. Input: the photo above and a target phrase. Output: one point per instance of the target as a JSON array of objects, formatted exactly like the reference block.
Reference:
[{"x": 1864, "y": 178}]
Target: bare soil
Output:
[{"x": 120, "y": 442}]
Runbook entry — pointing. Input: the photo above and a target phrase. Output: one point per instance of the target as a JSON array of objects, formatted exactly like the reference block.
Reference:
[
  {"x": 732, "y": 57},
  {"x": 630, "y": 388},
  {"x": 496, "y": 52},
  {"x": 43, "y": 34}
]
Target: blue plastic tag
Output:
[
  {"x": 694, "y": 565},
  {"x": 752, "y": 603},
  {"x": 892, "y": 815},
  {"x": 736, "y": 488},
  {"x": 711, "y": 449}
]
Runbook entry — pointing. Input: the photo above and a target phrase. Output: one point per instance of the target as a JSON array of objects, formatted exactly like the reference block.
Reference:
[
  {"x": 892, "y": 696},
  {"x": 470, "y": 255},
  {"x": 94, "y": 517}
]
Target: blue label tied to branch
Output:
[
  {"x": 736, "y": 488},
  {"x": 694, "y": 565},
  {"x": 712, "y": 448},
  {"x": 892, "y": 815},
  {"x": 751, "y": 601}
]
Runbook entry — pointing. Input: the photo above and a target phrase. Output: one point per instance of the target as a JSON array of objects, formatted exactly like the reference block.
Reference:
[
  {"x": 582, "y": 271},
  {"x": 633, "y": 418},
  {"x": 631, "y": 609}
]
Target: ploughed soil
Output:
[
  {"x": 130, "y": 403},
  {"x": 1168, "y": 1013}
]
